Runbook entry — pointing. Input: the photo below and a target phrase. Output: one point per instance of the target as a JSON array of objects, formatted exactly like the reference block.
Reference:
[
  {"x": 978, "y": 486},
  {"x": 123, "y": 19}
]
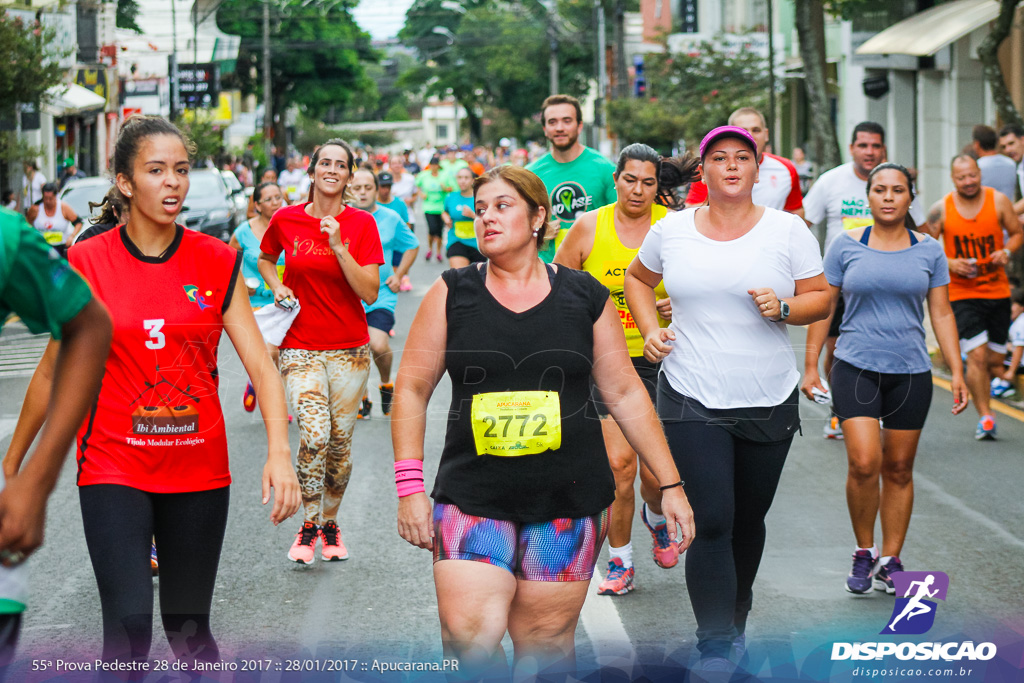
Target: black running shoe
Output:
[
  {"x": 387, "y": 392},
  {"x": 364, "y": 410}
]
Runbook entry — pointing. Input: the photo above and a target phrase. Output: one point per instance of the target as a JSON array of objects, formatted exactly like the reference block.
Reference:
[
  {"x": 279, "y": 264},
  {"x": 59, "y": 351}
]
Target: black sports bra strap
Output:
[
  {"x": 864, "y": 237},
  {"x": 913, "y": 237}
]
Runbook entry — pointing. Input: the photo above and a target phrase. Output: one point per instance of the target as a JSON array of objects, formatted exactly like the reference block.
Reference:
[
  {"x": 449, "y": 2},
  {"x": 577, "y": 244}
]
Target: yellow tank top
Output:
[{"x": 608, "y": 261}]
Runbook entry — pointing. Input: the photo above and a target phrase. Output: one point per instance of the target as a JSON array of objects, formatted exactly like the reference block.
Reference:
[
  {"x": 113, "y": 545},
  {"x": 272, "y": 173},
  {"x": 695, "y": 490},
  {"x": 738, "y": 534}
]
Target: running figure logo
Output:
[{"x": 914, "y": 611}]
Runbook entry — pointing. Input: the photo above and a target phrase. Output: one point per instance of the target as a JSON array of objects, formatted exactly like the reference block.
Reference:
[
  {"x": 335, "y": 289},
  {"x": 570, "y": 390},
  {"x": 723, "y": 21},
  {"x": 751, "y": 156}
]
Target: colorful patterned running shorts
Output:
[{"x": 563, "y": 549}]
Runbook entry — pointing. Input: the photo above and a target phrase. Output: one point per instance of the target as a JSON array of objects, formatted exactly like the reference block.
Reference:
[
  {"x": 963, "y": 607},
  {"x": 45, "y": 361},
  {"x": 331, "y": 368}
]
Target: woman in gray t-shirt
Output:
[{"x": 885, "y": 272}]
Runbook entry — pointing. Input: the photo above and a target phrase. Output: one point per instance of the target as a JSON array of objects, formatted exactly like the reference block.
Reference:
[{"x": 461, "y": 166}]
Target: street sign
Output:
[{"x": 199, "y": 85}]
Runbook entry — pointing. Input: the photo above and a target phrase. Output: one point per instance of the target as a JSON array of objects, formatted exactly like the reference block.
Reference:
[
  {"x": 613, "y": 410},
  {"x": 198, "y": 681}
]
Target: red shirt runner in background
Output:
[
  {"x": 778, "y": 186},
  {"x": 331, "y": 314}
]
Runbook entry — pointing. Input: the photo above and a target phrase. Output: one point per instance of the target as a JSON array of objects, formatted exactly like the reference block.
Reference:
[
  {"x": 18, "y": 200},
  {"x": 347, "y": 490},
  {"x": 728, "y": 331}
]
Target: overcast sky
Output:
[{"x": 381, "y": 18}]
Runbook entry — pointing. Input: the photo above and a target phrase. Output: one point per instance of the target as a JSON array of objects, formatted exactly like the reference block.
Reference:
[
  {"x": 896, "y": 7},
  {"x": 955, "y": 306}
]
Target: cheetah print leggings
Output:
[{"x": 324, "y": 389}]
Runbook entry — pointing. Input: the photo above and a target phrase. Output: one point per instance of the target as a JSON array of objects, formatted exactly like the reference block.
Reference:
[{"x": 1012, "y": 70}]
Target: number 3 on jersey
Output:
[{"x": 156, "y": 337}]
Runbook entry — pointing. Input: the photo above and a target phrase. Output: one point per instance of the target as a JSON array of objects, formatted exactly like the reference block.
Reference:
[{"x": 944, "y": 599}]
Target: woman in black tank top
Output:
[{"x": 520, "y": 341}]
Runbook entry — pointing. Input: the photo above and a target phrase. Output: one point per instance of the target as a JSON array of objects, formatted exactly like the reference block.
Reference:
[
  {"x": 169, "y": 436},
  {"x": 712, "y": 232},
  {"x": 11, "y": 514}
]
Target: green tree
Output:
[
  {"x": 689, "y": 94},
  {"x": 31, "y": 63},
  {"x": 206, "y": 137},
  {"x": 127, "y": 13},
  {"x": 317, "y": 54},
  {"x": 496, "y": 53}
]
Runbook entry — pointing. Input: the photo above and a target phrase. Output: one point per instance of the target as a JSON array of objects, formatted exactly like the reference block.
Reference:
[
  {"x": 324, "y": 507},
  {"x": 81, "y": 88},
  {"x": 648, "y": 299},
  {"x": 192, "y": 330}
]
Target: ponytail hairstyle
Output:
[
  {"x": 136, "y": 129},
  {"x": 672, "y": 172},
  {"x": 892, "y": 166},
  {"x": 346, "y": 196},
  {"x": 113, "y": 208}
]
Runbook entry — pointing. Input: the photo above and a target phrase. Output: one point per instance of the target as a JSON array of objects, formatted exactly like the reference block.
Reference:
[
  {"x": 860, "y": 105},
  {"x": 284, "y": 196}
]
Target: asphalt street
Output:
[{"x": 379, "y": 606}]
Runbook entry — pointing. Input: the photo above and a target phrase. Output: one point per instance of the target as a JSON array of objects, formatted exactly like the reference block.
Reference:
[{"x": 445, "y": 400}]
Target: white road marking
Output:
[
  {"x": 600, "y": 619},
  {"x": 948, "y": 499},
  {"x": 923, "y": 483}
]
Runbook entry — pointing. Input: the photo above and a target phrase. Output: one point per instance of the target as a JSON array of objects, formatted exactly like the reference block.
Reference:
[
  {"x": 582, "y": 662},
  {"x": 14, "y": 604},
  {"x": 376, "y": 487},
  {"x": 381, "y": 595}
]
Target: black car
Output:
[{"x": 209, "y": 207}]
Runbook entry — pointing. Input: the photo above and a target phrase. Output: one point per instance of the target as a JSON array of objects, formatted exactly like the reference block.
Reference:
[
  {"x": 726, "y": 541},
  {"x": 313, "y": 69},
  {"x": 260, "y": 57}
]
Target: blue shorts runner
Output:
[
  {"x": 563, "y": 549},
  {"x": 381, "y": 319}
]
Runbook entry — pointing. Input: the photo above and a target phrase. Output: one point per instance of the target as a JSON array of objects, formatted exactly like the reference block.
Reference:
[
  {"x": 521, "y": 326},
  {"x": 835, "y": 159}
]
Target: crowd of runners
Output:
[{"x": 599, "y": 320}]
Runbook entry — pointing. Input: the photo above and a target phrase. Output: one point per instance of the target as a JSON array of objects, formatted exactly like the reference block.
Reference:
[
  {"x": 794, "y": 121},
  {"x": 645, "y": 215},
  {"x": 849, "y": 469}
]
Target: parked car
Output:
[
  {"x": 209, "y": 207},
  {"x": 238, "y": 196},
  {"x": 78, "y": 193}
]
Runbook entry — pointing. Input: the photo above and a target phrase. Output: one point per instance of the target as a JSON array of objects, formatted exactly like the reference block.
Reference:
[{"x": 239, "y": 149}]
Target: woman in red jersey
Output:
[
  {"x": 332, "y": 254},
  {"x": 152, "y": 454}
]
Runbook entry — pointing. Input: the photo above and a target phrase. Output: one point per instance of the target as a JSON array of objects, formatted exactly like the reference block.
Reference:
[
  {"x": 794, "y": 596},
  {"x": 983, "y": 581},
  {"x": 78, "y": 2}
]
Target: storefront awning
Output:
[
  {"x": 924, "y": 34},
  {"x": 72, "y": 99}
]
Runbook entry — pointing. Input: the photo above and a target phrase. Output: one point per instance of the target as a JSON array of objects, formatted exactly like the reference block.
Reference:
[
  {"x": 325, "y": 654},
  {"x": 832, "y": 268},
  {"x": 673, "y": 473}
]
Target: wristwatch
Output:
[{"x": 784, "y": 308}]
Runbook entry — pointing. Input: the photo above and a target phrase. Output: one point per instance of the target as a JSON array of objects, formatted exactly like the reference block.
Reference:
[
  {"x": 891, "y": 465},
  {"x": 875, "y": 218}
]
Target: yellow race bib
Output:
[
  {"x": 280, "y": 272},
  {"x": 464, "y": 230},
  {"x": 510, "y": 423},
  {"x": 850, "y": 223},
  {"x": 53, "y": 237}
]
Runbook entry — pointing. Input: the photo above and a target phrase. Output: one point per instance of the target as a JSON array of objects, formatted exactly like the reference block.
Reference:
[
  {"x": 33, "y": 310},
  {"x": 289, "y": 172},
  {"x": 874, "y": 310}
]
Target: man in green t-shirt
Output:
[
  {"x": 433, "y": 186},
  {"x": 40, "y": 287},
  {"x": 578, "y": 178}
]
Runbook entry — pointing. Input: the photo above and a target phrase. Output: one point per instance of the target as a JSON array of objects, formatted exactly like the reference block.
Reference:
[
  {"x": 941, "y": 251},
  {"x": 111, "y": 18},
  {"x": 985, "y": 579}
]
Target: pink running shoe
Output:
[
  {"x": 332, "y": 549},
  {"x": 665, "y": 552},
  {"x": 619, "y": 580},
  {"x": 305, "y": 544},
  {"x": 406, "y": 284},
  {"x": 430, "y": 255}
]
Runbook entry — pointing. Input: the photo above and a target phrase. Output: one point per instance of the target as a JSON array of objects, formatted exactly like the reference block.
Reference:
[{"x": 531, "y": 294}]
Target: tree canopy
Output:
[
  {"x": 689, "y": 94},
  {"x": 317, "y": 53},
  {"x": 31, "y": 63},
  {"x": 496, "y": 53}
]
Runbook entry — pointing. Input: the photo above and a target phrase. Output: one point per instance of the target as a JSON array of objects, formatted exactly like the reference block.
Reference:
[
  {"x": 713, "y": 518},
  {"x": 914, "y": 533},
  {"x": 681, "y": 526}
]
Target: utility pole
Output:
[
  {"x": 602, "y": 65},
  {"x": 195, "y": 57},
  {"x": 552, "y": 10},
  {"x": 621, "y": 75},
  {"x": 771, "y": 70},
  {"x": 268, "y": 112},
  {"x": 175, "y": 92}
]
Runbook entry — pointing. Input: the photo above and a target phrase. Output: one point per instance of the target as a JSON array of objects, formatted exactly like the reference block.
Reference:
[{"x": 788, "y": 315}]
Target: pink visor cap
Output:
[{"x": 727, "y": 132}]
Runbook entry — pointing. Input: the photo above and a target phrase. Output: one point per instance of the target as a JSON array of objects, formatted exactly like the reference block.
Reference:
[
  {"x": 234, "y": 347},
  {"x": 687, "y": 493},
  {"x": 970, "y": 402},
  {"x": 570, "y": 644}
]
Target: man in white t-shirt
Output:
[
  {"x": 998, "y": 171},
  {"x": 291, "y": 181},
  {"x": 403, "y": 186},
  {"x": 1011, "y": 143},
  {"x": 839, "y": 198},
  {"x": 778, "y": 184},
  {"x": 424, "y": 156},
  {"x": 32, "y": 185}
]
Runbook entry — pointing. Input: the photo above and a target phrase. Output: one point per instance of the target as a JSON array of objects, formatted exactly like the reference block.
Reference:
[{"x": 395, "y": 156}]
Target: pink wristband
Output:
[{"x": 409, "y": 477}]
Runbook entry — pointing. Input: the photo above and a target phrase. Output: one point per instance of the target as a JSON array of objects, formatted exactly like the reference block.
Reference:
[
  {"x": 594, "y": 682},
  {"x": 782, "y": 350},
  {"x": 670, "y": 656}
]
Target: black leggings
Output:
[
  {"x": 120, "y": 523},
  {"x": 730, "y": 483},
  {"x": 10, "y": 627}
]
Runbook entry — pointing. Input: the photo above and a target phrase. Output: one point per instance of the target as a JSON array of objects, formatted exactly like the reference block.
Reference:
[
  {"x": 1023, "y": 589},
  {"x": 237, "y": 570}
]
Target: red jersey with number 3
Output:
[{"x": 157, "y": 424}]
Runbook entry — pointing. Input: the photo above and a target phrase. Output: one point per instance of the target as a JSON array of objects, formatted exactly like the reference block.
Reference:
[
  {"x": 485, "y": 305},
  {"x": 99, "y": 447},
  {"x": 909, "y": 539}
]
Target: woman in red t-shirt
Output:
[
  {"x": 152, "y": 455},
  {"x": 332, "y": 253}
]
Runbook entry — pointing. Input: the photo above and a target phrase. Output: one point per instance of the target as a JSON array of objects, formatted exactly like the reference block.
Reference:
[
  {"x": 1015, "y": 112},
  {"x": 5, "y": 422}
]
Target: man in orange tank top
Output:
[{"x": 971, "y": 222}]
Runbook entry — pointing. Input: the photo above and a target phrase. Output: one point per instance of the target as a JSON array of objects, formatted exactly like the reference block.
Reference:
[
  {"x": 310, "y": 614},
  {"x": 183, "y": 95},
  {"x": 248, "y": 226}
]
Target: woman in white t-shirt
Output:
[{"x": 737, "y": 274}]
